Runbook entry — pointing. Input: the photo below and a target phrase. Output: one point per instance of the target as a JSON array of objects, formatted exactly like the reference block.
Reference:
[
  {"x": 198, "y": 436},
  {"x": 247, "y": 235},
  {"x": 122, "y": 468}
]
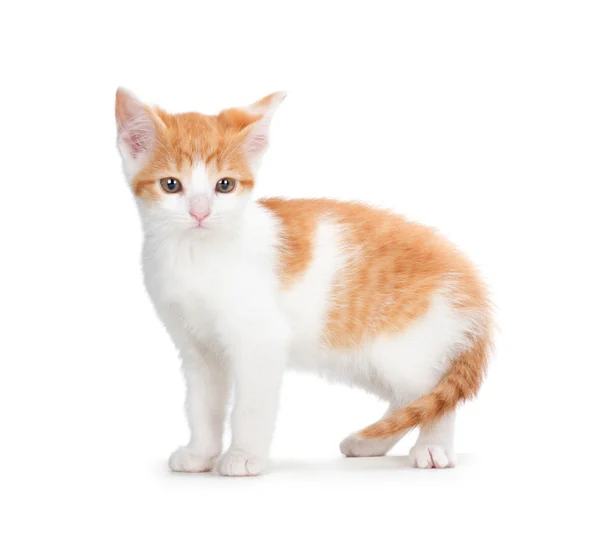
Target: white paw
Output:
[
  {"x": 239, "y": 463},
  {"x": 431, "y": 457},
  {"x": 185, "y": 459},
  {"x": 353, "y": 446}
]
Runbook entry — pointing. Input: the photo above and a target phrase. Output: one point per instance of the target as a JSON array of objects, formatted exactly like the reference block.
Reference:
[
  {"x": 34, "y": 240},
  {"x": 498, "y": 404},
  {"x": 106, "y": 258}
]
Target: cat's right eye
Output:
[{"x": 170, "y": 185}]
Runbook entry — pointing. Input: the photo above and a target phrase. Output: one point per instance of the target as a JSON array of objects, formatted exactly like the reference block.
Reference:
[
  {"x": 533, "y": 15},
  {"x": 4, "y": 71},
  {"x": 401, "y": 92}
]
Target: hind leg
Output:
[
  {"x": 353, "y": 446},
  {"x": 435, "y": 445}
]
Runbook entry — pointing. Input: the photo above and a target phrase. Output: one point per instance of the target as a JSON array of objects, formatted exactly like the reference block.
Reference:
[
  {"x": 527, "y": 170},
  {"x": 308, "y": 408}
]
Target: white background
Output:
[{"x": 480, "y": 118}]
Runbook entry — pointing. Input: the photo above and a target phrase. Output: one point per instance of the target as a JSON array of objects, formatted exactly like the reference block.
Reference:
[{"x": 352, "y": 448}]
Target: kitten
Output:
[{"x": 246, "y": 288}]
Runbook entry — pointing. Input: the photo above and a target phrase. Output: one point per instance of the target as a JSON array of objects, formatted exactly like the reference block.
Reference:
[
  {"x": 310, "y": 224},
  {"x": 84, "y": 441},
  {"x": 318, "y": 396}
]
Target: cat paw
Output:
[
  {"x": 431, "y": 457},
  {"x": 236, "y": 462},
  {"x": 353, "y": 446},
  {"x": 185, "y": 459}
]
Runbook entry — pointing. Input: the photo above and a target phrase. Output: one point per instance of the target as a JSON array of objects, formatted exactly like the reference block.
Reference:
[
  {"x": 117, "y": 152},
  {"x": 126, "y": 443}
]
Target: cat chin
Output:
[{"x": 200, "y": 227}]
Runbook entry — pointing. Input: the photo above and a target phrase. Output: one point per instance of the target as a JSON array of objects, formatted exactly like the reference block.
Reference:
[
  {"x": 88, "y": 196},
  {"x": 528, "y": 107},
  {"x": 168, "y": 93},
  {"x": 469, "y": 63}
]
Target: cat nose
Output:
[
  {"x": 199, "y": 215},
  {"x": 199, "y": 208}
]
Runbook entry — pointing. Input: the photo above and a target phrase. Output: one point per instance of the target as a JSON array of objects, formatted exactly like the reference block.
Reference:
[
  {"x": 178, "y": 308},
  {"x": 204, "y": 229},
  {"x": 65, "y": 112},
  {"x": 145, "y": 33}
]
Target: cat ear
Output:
[
  {"x": 257, "y": 133},
  {"x": 136, "y": 130}
]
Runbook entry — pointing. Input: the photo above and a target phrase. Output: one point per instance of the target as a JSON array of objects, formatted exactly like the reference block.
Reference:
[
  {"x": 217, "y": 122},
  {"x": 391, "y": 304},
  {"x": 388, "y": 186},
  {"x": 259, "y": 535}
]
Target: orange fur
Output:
[
  {"x": 184, "y": 139},
  {"x": 298, "y": 226},
  {"x": 187, "y": 138}
]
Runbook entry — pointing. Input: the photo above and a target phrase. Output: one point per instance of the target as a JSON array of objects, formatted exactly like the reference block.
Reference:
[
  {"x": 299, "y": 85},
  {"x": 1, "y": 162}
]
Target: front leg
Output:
[
  {"x": 206, "y": 401},
  {"x": 257, "y": 367}
]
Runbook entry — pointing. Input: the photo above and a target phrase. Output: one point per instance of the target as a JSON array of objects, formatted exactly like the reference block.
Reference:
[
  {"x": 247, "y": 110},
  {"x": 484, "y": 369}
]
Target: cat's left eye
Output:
[{"x": 226, "y": 185}]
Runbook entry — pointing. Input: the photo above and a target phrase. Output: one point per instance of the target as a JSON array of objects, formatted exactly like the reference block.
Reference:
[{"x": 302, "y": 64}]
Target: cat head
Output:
[{"x": 188, "y": 171}]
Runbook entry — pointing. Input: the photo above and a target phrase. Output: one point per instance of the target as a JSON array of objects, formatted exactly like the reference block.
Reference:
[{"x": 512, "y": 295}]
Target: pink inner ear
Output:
[
  {"x": 257, "y": 143},
  {"x": 135, "y": 125},
  {"x": 137, "y": 133},
  {"x": 135, "y": 141},
  {"x": 258, "y": 139}
]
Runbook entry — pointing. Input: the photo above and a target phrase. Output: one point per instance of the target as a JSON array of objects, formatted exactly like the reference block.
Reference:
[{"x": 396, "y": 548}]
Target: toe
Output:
[
  {"x": 439, "y": 457},
  {"x": 348, "y": 446},
  {"x": 431, "y": 456},
  {"x": 185, "y": 459},
  {"x": 423, "y": 460},
  {"x": 240, "y": 463}
]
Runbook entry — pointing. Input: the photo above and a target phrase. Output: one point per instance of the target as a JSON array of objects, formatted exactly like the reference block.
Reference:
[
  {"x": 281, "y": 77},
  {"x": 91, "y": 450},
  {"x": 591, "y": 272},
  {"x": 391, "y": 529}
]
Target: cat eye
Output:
[
  {"x": 170, "y": 185},
  {"x": 226, "y": 185}
]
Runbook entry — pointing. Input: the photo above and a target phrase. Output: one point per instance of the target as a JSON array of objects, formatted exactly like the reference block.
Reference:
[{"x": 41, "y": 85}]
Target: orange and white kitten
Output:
[{"x": 246, "y": 288}]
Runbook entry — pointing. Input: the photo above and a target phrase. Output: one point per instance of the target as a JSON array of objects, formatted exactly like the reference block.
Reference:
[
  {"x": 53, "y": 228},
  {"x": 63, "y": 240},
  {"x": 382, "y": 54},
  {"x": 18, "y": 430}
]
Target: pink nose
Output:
[
  {"x": 199, "y": 215},
  {"x": 199, "y": 207}
]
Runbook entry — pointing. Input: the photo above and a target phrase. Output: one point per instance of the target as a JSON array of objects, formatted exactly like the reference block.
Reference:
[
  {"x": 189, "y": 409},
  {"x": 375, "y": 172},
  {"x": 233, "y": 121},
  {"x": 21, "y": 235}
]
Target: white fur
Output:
[{"x": 216, "y": 293}]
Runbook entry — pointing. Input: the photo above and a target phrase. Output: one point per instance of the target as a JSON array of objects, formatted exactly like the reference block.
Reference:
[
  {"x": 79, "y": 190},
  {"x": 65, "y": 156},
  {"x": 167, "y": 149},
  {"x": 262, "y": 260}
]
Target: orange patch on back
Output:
[
  {"x": 298, "y": 220},
  {"x": 394, "y": 267}
]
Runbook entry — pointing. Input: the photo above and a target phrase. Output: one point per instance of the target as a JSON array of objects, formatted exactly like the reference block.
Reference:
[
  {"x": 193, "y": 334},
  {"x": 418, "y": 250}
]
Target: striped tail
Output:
[{"x": 460, "y": 383}]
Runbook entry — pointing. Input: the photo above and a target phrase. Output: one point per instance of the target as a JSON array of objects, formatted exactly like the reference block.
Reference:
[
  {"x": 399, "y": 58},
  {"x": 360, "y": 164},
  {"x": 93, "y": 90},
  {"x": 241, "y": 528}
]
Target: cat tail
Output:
[{"x": 461, "y": 382}]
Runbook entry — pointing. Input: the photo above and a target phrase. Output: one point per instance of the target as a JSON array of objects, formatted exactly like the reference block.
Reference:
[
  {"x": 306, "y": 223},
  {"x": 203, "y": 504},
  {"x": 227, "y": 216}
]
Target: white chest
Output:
[
  {"x": 191, "y": 286},
  {"x": 211, "y": 290}
]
